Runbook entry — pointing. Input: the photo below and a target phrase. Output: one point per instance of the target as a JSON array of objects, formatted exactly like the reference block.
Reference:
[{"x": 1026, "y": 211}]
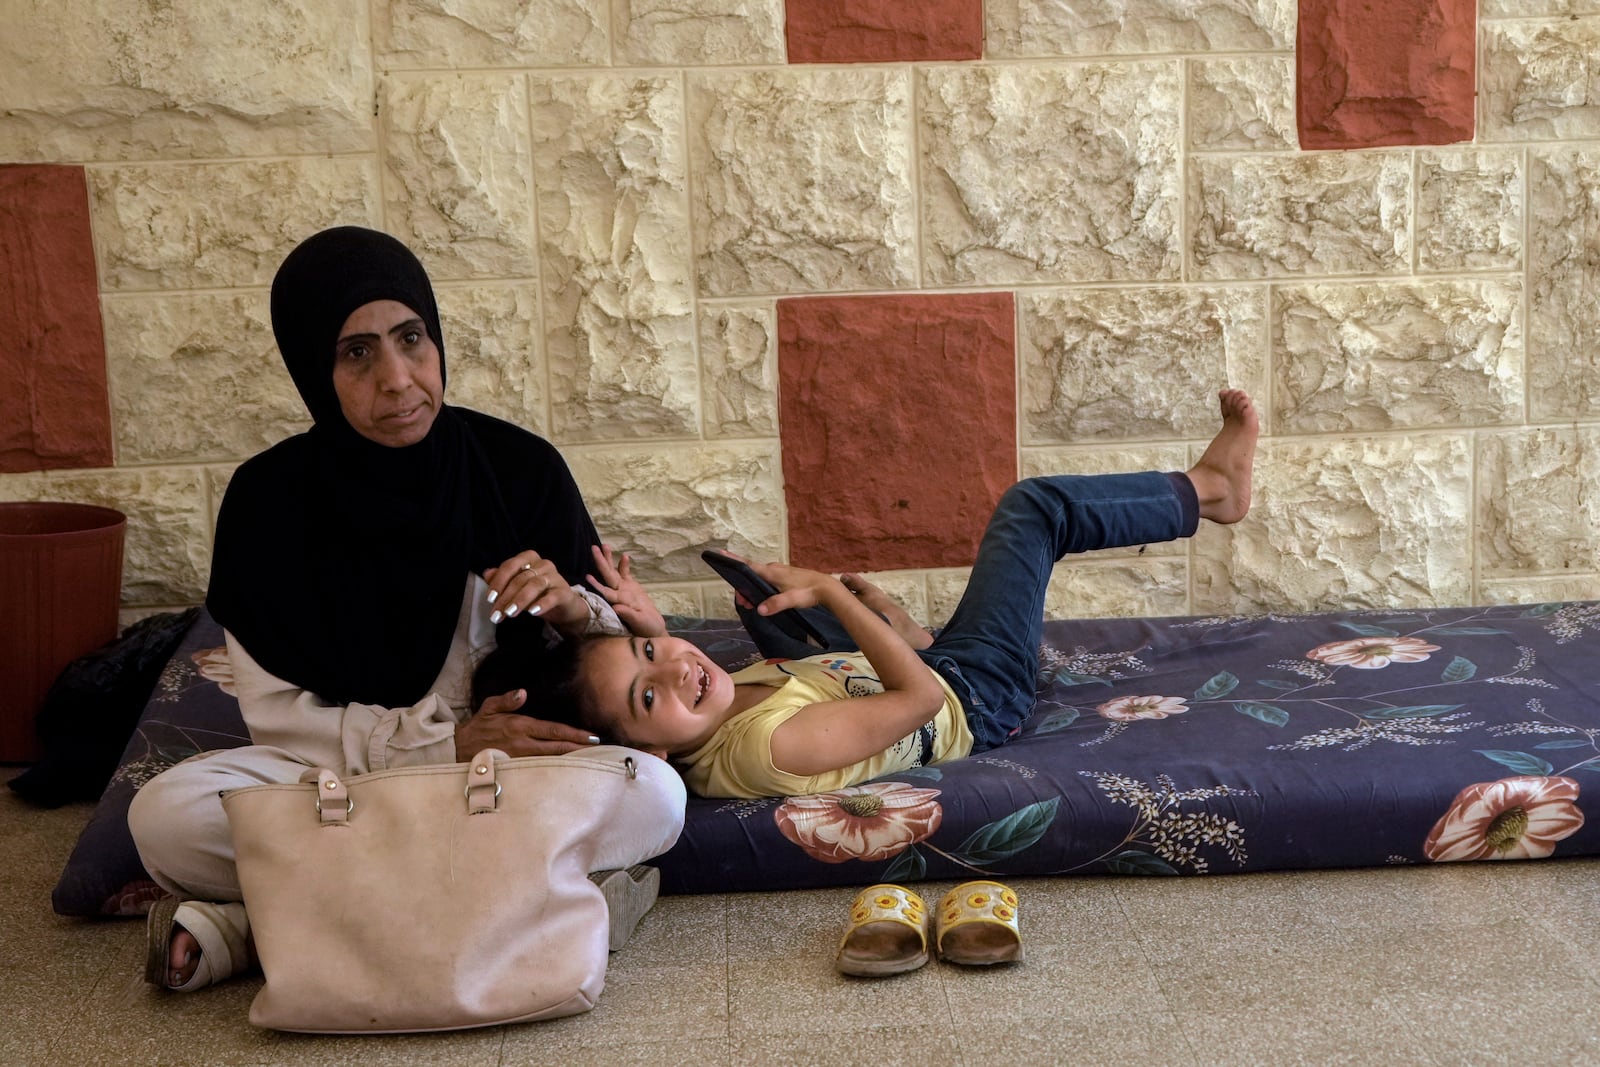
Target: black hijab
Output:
[{"x": 340, "y": 563}]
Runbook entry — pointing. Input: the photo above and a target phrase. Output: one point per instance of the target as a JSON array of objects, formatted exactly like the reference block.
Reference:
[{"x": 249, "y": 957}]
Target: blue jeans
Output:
[{"x": 989, "y": 650}]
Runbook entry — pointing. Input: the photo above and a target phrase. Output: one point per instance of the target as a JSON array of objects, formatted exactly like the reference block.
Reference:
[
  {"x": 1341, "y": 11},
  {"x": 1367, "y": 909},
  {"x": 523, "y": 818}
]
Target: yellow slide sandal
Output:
[
  {"x": 888, "y": 933},
  {"x": 976, "y": 925}
]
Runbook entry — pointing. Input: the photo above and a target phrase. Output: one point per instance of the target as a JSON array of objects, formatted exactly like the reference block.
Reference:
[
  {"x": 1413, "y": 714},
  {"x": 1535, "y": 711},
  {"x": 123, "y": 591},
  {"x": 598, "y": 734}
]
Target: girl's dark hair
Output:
[{"x": 550, "y": 675}]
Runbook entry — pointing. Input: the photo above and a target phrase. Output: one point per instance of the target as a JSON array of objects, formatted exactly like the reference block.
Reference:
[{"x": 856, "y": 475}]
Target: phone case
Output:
[{"x": 755, "y": 589}]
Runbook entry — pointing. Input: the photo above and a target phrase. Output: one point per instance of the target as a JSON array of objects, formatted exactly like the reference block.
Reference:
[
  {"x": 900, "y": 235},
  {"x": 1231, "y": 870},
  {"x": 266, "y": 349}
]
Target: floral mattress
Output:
[{"x": 1159, "y": 746}]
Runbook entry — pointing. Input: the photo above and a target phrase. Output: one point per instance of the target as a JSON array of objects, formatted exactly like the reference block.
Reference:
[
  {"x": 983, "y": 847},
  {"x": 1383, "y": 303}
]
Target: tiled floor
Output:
[{"x": 1485, "y": 964}]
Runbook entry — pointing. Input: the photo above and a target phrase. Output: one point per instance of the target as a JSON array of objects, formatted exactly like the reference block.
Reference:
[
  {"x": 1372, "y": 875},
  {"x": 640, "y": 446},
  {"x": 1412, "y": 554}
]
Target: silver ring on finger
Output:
[{"x": 525, "y": 567}]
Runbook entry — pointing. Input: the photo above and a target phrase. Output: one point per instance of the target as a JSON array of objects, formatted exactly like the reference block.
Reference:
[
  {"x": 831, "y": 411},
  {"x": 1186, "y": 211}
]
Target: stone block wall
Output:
[{"x": 615, "y": 197}]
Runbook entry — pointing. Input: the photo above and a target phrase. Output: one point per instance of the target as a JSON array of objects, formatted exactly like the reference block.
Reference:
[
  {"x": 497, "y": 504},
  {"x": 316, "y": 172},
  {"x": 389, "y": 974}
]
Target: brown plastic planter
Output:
[{"x": 60, "y": 582}]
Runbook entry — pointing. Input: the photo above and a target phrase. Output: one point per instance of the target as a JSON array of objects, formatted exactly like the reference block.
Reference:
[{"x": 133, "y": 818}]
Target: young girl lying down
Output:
[{"x": 831, "y": 720}]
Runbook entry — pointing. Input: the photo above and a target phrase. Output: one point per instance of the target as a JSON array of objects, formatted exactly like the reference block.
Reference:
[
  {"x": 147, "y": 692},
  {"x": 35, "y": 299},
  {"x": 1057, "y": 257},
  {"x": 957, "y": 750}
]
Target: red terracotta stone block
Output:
[
  {"x": 871, "y": 31},
  {"x": 898, "y": 419},
  {"x": 54, "y": 409},
  {"x": 1386, "y": 72}
]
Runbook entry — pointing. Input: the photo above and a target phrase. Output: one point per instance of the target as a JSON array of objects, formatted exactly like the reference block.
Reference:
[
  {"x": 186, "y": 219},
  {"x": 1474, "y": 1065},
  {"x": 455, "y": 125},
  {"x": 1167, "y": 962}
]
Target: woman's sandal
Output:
[
  {"x": 221, "y": 930},
  {"x": 629, "y": 893},
  {"x": 976, "y": 925},
  {"x": 888, "y": 933}
]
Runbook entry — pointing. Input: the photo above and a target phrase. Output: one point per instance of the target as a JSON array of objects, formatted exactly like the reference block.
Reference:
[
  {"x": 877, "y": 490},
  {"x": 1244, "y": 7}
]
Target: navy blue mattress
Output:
[{"x": 1159, "y": 746}]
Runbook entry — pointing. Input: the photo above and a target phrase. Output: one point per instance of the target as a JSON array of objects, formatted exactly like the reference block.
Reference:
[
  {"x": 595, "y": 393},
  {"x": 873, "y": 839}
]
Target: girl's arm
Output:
[{"x": 827, "y": 736}]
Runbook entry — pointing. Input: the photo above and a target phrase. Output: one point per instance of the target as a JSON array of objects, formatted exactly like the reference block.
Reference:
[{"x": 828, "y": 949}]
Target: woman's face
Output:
[{"x": 386, "y": 374}]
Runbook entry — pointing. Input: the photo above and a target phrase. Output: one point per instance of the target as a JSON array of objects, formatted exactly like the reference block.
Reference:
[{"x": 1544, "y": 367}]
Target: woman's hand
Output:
[
  {"x": 497, "y": 725},
  {"x": 527, "y": 583},
  {"x": 624, "y": 593}
]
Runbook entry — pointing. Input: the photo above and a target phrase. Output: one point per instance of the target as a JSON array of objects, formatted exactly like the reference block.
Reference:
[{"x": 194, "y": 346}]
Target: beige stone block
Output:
[
  {"x": 1538, "y": 81},
  {"x": 1037, "y": 462},
  {"x": 1538, "y": 502},
  {"x": 166, "y": 555},
  {"x": 1381, "y": 356},
  {"x": 802, "y": 180},
  {"x": 1469, "y": 210},
  {"x": 909, "y": 589},
  {"x": 1340, "y": 523},
  {"x": 129, "y": 79},
  {"x": 1277, "y": 216},
  {"x": 739, "y": 369},
  {"x": 1540, "y": 590},
  {"x": 698, "y": 32},
  {"x": 1050, "y": 173},
  {"x": 1102, "y": 589},
  {"x": 614, "y": 249},
  {"x": 459, "y": 176},
  {"x": 1087, "y": 589},
  {"x": 196, "y": 378},
  {"x": 1100, "y": 365},
  {"x": 212, "y": 225},
  {"x": 492, "y": 351},
  {"x": 1563, "y": 278},
  {"x": 1518, "y": 9},
  {"x": 679, "y": 599},
  {"x": 1242, "y": 103},
  {"x": 216, "y": 484},
  {"x": 474, "y": 33},
  {"x": 1020, "y": 28},
  {"x": 664, "y": 504}
]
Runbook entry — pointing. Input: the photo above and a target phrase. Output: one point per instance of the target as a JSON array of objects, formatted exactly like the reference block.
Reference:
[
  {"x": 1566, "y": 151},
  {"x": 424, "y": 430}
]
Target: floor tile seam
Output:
[
  {"x": 1401, "y": 1025},
  {"x": 1152, "y": 967}
]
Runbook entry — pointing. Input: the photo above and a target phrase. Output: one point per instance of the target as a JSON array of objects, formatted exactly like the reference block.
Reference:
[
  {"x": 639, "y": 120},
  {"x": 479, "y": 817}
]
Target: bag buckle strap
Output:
[
  {"x": 333, "y": 799},
  {"x": 482, "y": 790}
]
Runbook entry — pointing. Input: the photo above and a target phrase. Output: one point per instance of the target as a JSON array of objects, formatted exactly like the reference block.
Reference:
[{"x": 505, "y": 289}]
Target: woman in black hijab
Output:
[{"x": 360, "y": 571}]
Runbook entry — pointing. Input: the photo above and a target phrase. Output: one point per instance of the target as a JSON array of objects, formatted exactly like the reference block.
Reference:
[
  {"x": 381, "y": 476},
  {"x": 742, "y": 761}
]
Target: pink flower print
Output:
[
  {"x": 1372, "y": 653},
  {"x": 1131, "y": 709},
  {"x": 1512, "y": 819},
  {"x": 865, "y": 822}
]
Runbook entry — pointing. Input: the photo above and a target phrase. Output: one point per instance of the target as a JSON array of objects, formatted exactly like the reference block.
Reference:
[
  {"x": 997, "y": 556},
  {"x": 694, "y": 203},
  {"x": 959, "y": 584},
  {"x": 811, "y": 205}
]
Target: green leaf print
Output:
[
  {"x": 1465, "y": 631},
  {"x": 1366, "y": 630},
  {"x": 1068, "y": 678},
  {"x": 909, "y": 866},
  {"x": 1416, "y": 711},
  {"x": 1135, "y": 862},
  {"x": 1273, "y": 716},
  {"x": 1460, "y": 670},
  {"x": 1521, "y": 762},
  {"x": 1539, "y": 611},
  {"x": 1565, "y": 744},
  {"x": 1006, "y": 837},
  {"x": 1277, "y": 683},
  {"x": 1219, "y": 686},
  {"x": 1059, "y": 721}
]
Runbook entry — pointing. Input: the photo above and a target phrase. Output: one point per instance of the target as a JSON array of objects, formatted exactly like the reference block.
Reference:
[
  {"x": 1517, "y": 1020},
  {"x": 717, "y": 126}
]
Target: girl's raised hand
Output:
[{"x": 624, "y": 593}]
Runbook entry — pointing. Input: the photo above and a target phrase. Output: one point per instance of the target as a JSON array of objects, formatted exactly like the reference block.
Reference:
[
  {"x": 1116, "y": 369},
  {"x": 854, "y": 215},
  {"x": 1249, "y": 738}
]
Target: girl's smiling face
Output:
[{"x": 659, "y": 694}]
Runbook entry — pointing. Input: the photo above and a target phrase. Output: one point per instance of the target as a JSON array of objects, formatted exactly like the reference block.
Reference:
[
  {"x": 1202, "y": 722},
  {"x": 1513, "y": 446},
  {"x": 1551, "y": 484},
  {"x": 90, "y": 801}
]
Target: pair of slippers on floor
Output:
[
  {"x": 222, "y": 931},
  {"x": 975, "y": 925}
]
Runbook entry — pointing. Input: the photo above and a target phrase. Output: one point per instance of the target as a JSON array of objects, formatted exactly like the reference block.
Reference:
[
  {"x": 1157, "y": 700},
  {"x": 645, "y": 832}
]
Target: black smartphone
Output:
[{"x": 754, "y": 588}]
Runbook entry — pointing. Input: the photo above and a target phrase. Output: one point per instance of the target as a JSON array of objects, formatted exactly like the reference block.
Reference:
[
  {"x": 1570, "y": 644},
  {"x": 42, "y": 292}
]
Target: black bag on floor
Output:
[{"x": 91, "y": 710}]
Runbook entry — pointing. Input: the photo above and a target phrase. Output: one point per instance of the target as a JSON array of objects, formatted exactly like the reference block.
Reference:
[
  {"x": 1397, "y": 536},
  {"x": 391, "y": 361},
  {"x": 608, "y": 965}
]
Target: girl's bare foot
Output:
[
  {"x": 1222, "y": 476},
  {"x": 889, "y": 608}
]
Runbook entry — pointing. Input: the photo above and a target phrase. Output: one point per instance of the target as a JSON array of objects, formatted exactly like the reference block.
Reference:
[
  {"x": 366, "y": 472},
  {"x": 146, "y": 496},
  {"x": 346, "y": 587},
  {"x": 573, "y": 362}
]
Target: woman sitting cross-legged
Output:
[{"x": 360, "y": 571}]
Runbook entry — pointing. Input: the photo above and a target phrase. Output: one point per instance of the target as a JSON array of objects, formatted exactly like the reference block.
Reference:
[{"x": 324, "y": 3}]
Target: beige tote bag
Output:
[{"x": 443, "y": 897}]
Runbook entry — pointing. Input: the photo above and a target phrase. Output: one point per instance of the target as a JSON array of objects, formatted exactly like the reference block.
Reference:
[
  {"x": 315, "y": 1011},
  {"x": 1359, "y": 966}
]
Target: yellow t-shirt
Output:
[{"x": 737, "y": 761}]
